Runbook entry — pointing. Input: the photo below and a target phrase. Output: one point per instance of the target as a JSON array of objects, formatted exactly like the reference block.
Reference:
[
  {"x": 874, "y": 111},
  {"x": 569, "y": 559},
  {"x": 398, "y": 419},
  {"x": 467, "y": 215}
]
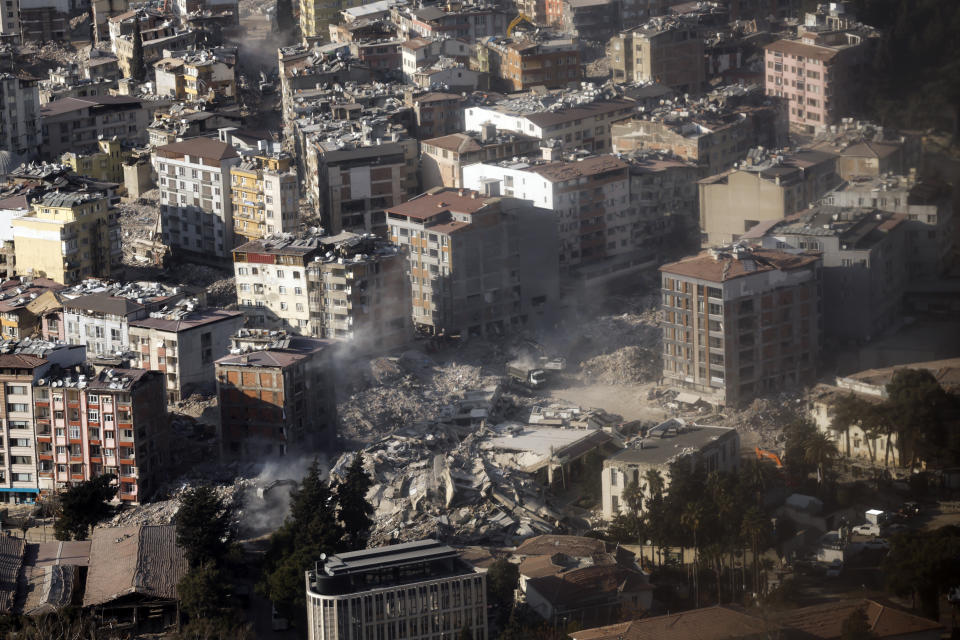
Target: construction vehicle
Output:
[
  {"x": 770, "y": 455},
  {"x": 521, "y": 17},
  {"x": 533, "y": 377}
]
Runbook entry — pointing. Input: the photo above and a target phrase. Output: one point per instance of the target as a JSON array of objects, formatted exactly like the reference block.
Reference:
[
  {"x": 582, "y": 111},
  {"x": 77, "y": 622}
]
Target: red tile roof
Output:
[
  {"x": 725, "y": 267},
  {"x": 438, "y": 201}
]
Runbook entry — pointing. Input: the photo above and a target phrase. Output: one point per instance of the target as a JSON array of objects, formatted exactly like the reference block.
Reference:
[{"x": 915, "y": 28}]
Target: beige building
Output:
[
  {"x": 69, "y": 236},
  {"x": 196, "y": 214},
  {"x": 105, "y": 164},
  {"x": 348, "y": 287},
  {"x": 764, "y": 187},
  {"x": 478, "y": 265},
  {"x": 264, "y": 193},
  {"x": 183, "y": 345},
  {"x": 316, "y": 16},
  {"x": 718, "y": 448},
  {"x": 442, "y": 159},
  {"x": 669, "y": 53},
  {"x": 739, "y": 323}
]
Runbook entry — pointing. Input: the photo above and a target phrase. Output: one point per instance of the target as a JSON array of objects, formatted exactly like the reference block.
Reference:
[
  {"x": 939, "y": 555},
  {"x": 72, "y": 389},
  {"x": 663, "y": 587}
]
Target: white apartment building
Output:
[
  {"x": 10, "y": 22},
  {"x": 20, "y": 131},
  {"x": 26, "y": 418},
  {"x": 590, "y": 199},
  {"x": 584, "y": 126},
  {"x": 417, "y": 590},
  {"x": 101, "y": 322},
  {"x": 196, "y": 215}
]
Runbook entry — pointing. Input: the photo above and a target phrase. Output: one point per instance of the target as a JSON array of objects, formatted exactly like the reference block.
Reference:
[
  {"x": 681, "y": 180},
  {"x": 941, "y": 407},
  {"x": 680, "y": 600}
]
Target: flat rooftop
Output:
[
  {"x": 669, "y": 444},
  {"x": 383, "y": 557}
]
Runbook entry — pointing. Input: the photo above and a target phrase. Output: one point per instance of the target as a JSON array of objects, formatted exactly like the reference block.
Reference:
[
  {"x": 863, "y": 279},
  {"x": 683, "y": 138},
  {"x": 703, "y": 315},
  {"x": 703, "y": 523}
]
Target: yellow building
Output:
[
  {"x": 263, "y": 192},
  {"x": 316, "y": 16},
  {"x": 106, "y": 164},
  {"x": 67, "y": 237}
]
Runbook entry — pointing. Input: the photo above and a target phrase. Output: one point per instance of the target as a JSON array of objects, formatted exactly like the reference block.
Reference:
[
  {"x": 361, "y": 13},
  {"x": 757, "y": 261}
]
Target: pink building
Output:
[
  {"x": 820, "y": 74},
  {"x": 90, "y": 424}
]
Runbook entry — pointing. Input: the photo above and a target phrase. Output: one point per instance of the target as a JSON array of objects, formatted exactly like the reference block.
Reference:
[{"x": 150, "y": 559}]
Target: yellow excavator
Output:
[{"x": 521, "y": 17}]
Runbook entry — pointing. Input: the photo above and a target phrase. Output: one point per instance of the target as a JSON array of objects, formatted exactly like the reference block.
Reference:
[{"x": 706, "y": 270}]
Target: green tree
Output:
[
  {"x": 354, "y": 510},
  {"x": 214, "y": 629},
  {"x": 203, "y": 526},
  {"x": 924, "y": 565},
  {"x": 311, "y": 529},
  {"x": 692, "y": 518},
  {"x": 138, "y": 66},
  {"x": 502, "y": 579},
  {"x": 794, "y": 455},
  {"x": 918, "y": 406},
  {"x": 84, "y": 505},
  {"x": 856, "y": 626},
  {"x": 821, "y": 452},
  {"x": 203, "y": 593},
  {"x": 755, "y": 528}
]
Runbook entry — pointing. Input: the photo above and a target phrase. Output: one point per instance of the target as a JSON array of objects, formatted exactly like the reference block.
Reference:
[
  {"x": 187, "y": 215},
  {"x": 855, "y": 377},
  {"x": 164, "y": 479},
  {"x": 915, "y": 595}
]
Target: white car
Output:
[{"x": 867, "y": 529}]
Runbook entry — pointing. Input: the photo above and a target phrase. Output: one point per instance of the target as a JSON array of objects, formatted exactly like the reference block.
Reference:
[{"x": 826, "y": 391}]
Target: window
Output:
[
  {"x": 17, "y": 406},
  {"x": 93, "y": 399},
  {"x": 93, "y": 415},
  {"x": 279, "y": 273},
  {"x": 20, "y": 442},
  {"x": 126, "y": 434},
  {"x": 74, "y": 433},
  {"x": 22, "y": 477},
  {"x": 16, "y": 389}
]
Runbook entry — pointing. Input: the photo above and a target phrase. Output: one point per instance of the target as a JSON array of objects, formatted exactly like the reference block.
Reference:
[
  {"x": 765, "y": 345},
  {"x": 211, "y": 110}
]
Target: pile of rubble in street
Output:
[
  {"x": 623, "y": 348},
  {"x": 164, "y": 511}
]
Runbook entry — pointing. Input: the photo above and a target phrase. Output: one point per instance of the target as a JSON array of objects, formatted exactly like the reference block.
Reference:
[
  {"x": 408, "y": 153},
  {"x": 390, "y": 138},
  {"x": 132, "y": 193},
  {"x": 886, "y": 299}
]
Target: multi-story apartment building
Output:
[
  {"x": 101, "y": 11},
  {"x": 594, "y": 20},
  {"x": 471, "y": 22},
  {"x": 600, "y": 229},
  {"x": 353, "y": 184},
  {"x": 821, "y": 74},
  {"x": 22, "y": 366},
  {"x": 100, "y": 321},
  {"x": 575, "y": 125},
  {"x": 112, "y": 422},
  {"x": 347, "y": 286},
  {"x": 717, "y": 448},
  {"x": 442, "y": 159},
  {"x": 764, "y": 187},
  {"x": 663, "y": 194},
  {"x": 10, "y": 23},
  {"x": 714, "y": 141},
  {"x": 386, "y": 590},
  {"x": 68, "y": 236},
  {"x": 19, "y": 310},
  {"x": 225, "y": 12},
  {"x": 931, "y": 225},
  {"x": 437, "y": 113},
  {"x": 183, "y": 346},
  {"x": 196, "y": 214},
  {"x": 667, "y": 52},
  {"x": 316, "y": 16},
  {"x": 45, "y": 20},
  {"x": 105, "y": 164},
  {"x": 277, "y": 400},
  {"x": 864, "y": 253},
  {"x": 264, "y": 194},
  {"x": 741, "y": 322},
  {"x": 478, "y": 265},
  {"x": 20, "y": 131},
  {"x": 516, "y": 64},
  {"x": 636, "y": 12},
  {"x": 78, "y": 124},
  {"x": 156, "y": 40},
  {"x": 417, "y": 53},
  {"x": 198, "y": 75},
  {"x": 868, "y": 150}
]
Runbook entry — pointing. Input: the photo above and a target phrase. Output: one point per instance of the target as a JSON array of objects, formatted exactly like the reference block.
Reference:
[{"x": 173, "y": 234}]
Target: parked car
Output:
[
  {"x": 834, "y": 568},
  {"x": 867, "y": 529}
]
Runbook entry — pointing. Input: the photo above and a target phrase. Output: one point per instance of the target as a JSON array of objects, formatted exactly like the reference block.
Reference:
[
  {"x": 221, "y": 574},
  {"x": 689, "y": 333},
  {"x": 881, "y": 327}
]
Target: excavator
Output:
[
  {"x": 521, "y": 17},
  {"x": 770, "y": 455}
]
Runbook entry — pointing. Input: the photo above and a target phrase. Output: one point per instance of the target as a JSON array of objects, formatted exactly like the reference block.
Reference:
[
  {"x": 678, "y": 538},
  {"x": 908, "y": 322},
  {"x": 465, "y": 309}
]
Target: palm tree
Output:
[
  {"x": 655, "y": 482},
  {"x": 755, "y": 528},
  {"x": 691, "y": 518},
  {"x": 821, "y": 451}
]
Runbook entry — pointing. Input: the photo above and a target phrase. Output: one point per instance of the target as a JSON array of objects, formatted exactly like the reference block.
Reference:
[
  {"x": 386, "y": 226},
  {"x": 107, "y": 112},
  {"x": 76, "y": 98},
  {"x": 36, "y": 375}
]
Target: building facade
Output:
[
  {"x": 478, "y": 265},
  {"x": 519, "y": 64},
  {"x": 28, "y": 424},
  {"x": 278, "y": 400},
  {"x": 417, "y": 590},
  {"x": 183, "y": 347},
  {"x": 740, "y": 323},
  {"x": 670, "y": 54},
  {"x": 764, "y": 187},
  {"x": 717, "y": 448},
  {"x": 114, "y": 422},
  {"x": 77, "y": 124},
  {"x": 20, "y": 131},
  {"x": 819, "y": 74},
  {"x": 196, "y": 214},
  {"x": 264, "y": 195},
  {"x": 68, "y": 236},
  {"x": 347, "y": 287},
  {"x": 442, "y": 159}
]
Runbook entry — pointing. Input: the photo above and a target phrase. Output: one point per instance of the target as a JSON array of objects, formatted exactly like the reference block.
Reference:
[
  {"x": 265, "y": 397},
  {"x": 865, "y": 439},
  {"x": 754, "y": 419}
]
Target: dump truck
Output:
[{"x": 532, "y": 377}]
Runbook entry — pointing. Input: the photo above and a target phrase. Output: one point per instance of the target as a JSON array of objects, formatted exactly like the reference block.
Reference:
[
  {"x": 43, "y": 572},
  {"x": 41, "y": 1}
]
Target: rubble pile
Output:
[
  {"x": 629, "y": 365},
  {"x": 163, "y": 511},
  {"x": 220, "y": 285},
  {"x": 764, "y": 420},
  {"x": 621, "y": 349},
  {"x": 429, "y": 483},
  {"x": 138, "y": 221}
]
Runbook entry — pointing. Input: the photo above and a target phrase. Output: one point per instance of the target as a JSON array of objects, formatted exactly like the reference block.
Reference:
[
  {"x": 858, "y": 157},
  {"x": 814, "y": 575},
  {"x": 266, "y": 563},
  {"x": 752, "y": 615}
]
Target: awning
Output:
[
  {"x": 688, "y": 398},
  {"x": 15, "y": 490}
]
